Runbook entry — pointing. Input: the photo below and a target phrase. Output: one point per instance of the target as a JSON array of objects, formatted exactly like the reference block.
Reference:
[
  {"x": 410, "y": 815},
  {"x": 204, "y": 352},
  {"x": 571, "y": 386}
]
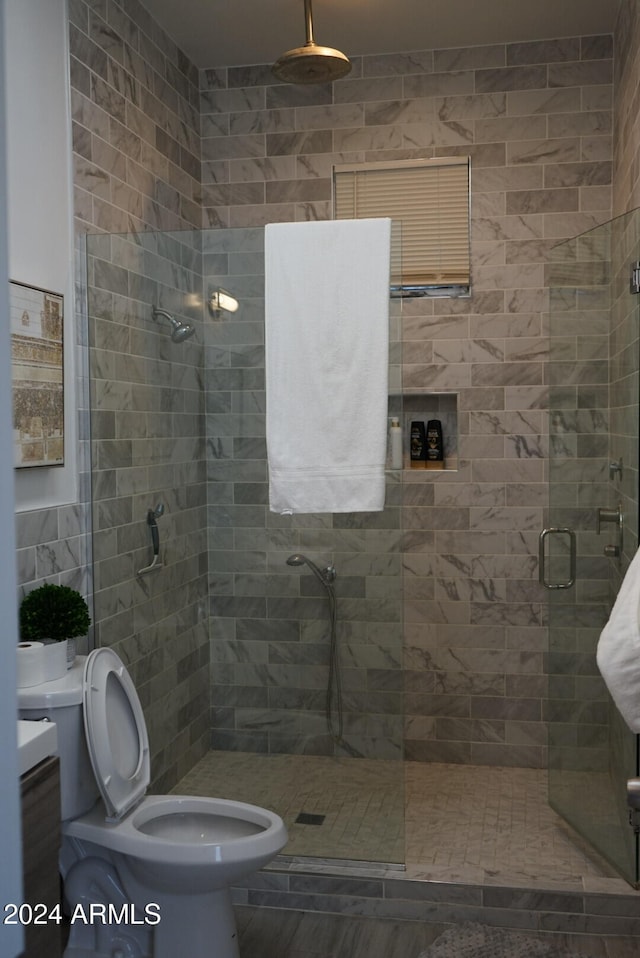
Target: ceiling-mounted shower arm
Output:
[
  {"x": 311, "y": 63},
  {"x": 308, "y": 23}
]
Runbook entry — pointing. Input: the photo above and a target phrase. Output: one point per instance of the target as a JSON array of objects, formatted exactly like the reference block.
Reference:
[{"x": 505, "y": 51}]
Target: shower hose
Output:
[{"x": 333, "y": 702}]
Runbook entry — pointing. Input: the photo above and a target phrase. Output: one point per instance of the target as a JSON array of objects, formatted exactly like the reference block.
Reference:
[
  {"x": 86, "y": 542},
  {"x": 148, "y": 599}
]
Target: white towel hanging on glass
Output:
[{"x": 327, "y": 357}]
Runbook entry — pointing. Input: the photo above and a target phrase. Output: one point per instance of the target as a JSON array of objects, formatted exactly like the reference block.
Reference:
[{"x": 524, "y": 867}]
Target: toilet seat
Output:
[
  {"x": 116, "y": 733},
  {"x": 136, "y": 836}
]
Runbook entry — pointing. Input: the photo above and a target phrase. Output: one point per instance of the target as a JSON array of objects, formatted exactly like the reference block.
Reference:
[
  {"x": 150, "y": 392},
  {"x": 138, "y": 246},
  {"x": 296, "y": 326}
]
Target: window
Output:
[{"x": 430, "y": 198}]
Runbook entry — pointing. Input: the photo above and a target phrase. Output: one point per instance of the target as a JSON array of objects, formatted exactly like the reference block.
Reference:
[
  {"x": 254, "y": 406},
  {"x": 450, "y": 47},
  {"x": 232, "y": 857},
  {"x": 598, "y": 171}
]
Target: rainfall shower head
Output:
[
  {"x": 180, "y": 331},
  {"x": 311, "y": 63}
]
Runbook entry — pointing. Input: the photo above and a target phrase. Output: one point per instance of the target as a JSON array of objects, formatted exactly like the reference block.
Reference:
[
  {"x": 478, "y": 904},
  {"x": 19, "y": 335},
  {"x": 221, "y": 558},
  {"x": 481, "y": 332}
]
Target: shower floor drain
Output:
[{"x": 306, "y": 818}]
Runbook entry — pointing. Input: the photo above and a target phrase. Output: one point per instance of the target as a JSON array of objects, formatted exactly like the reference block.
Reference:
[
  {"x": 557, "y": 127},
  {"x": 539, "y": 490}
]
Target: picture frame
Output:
[{"x": 36, "y": 319}]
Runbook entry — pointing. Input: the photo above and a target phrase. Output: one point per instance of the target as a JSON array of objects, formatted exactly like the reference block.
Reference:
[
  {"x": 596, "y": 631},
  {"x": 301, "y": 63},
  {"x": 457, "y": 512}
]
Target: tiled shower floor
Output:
[{"x": 461, "y": 823}]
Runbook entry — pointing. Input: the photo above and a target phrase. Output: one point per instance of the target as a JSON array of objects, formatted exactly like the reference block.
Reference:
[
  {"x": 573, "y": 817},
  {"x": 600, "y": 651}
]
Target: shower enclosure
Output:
[
  {"x": 178, "y": 423},
  {"x": 229, "y": 641},
  {"x": 592, "y": 527}
]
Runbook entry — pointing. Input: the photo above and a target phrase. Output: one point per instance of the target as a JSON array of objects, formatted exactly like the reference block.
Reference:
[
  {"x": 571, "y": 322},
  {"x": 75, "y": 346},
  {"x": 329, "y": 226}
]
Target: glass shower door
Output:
[{"x": 593, "y": 475}]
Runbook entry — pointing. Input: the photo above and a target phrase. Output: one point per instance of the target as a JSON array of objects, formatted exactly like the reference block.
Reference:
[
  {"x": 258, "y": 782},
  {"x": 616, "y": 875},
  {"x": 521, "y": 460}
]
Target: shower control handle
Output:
[
  {"x": 633, "y": 793},
  {"x": 615, "y": 516},
  {"x": 609, "y": 515}
]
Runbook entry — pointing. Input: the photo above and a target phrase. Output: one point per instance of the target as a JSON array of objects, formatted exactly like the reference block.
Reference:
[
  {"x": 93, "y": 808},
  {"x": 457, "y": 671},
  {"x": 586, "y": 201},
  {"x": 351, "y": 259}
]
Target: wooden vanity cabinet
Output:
[{"x": 40, "y": 800}]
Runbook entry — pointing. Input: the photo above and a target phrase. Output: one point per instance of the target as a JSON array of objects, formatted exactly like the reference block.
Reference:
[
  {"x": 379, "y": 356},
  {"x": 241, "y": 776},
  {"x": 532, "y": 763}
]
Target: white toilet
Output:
[{"x": 144, "y": 876}]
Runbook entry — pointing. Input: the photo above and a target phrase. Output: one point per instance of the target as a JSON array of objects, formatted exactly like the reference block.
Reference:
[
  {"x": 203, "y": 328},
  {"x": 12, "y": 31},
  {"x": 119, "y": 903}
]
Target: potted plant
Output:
[{"x": 54, "y": 614}]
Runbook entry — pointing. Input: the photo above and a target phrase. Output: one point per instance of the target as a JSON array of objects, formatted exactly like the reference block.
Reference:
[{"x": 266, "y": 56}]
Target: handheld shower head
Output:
[
  {"x": 180, "y": 331},
  {"x": 326, "y": 576}
]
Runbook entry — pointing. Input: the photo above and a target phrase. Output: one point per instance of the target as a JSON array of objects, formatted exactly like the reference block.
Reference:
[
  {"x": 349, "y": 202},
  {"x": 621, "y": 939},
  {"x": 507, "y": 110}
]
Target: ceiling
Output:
[{"x": 243, "y": 32}]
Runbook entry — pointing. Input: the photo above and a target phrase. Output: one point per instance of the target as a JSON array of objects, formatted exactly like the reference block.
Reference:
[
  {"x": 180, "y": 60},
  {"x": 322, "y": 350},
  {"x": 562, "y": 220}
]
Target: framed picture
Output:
[{"x": 37, "y": 370}]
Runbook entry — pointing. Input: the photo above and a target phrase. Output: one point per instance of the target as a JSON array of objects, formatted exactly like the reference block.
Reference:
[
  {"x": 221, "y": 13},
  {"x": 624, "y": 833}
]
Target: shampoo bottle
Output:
[
  {"x": 395, "y": 443},
  {"x": 435, "y": 452},
  {"x": 418, "y": 445}
]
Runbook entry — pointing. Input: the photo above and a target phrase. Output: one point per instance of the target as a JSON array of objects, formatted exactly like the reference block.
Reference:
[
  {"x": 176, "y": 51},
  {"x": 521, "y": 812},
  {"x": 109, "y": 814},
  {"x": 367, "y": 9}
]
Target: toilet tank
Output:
[{"x": 60, "y": 701}]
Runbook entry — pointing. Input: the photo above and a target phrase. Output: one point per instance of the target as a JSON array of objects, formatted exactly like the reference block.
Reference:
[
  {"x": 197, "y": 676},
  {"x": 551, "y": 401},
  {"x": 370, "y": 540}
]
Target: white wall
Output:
[
  {"x": 40, "y": 200},
  {"x": 11, "y": 937}
]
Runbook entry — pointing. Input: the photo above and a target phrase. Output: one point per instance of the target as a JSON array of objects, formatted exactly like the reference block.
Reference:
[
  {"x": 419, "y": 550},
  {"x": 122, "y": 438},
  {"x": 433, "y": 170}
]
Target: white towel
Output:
[
  {"x": 327, "y": 356},
  {"x": 618, "y": 653}
]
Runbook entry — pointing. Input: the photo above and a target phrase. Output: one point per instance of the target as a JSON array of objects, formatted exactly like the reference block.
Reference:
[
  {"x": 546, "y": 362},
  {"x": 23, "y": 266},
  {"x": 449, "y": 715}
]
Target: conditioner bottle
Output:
[{"x": 395, "y": 443}]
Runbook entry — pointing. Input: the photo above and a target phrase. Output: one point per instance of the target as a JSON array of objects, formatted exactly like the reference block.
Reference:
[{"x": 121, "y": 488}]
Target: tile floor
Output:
[
  {"x": 490, "y": 826},
  {"x": 461, "y": 823}
]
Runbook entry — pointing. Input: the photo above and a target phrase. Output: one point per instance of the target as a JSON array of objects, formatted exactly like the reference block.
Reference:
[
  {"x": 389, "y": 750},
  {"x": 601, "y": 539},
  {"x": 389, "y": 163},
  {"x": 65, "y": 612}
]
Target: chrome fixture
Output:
[
  {"x": 542, "y": 578},
  {"x": 156, "y": 561},
  {"x": 326, "y": 576},
  {"x": 614, "y": 550},
  {"x": 221, "y": 301},
  {"x": 180, "y": 331},
  {"x": 311, "y": 63},
  {"x": 633, "y": 801},
  {"x": 615, "y": 468}
]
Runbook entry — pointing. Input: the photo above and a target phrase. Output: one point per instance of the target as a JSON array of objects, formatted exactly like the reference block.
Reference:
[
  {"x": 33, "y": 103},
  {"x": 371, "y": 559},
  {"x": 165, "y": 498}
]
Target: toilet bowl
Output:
[{"x": 145, "y": 876}]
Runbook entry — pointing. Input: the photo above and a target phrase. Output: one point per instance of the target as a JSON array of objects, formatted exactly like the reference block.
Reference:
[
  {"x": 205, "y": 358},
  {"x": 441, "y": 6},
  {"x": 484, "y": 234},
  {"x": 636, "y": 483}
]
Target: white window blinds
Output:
[{"x": 430, "y": 198}]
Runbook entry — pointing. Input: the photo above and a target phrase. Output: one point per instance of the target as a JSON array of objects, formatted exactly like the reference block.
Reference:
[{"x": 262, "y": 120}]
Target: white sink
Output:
[{"x": 36, "y": 741}]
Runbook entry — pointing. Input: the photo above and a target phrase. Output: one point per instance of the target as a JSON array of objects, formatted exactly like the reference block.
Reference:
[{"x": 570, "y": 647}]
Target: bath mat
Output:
[{"x": 471, "y": 940}]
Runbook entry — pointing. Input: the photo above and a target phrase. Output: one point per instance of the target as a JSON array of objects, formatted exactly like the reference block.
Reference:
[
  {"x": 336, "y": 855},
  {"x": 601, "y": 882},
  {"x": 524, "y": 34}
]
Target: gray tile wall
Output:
[
  {"x": 536, "y": 120},
  {"x": 592, "y": 912},
  {"x": 147, "y": 425},
  {"x": 626, "y": 195}
]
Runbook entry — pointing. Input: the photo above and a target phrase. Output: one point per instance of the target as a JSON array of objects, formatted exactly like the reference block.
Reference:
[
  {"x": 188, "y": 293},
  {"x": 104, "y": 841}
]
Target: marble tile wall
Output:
[
  {"x": 147, "y": 436},
  {"x": 536, "y": 120},
  {"x": 626, "y": 194},
  {"x": 532, "y": 906}
]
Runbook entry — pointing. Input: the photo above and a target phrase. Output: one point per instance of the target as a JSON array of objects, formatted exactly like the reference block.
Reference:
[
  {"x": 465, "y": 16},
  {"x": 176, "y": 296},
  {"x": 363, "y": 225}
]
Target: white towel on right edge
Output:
[{"x": 618, "y": 653}]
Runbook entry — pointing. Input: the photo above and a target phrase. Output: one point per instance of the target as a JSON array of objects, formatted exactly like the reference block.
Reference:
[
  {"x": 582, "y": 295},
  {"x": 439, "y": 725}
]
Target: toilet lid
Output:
[{"x": 115, "y": 731}]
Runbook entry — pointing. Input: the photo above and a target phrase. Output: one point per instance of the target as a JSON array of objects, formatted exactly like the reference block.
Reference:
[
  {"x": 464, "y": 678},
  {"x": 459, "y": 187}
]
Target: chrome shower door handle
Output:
[{"x": 557, "y": 530}]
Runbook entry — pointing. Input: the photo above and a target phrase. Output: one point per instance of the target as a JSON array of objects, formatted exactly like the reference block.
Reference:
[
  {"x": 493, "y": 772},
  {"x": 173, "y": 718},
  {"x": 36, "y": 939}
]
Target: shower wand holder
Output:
[
  {"x": 154, "y": 566},
  {"x": 156, "y": 562}
]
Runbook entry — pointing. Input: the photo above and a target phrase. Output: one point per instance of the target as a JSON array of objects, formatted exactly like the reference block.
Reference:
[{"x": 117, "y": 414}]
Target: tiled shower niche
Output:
[{"x": 414, "y": 404}]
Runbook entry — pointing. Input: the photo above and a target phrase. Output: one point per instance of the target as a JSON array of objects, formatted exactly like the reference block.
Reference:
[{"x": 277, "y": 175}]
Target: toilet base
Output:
[
  {"x": 193, "y": 926},
  {"x": 200, "y": 926}
]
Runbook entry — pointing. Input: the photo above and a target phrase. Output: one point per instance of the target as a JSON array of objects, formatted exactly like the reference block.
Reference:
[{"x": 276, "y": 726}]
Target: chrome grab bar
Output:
[{"x": 557, "y": 530}]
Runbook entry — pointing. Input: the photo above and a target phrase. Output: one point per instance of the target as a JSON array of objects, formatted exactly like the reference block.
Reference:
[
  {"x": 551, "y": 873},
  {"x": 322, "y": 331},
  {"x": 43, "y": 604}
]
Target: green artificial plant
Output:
[{"x": 53, "y": 612}]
